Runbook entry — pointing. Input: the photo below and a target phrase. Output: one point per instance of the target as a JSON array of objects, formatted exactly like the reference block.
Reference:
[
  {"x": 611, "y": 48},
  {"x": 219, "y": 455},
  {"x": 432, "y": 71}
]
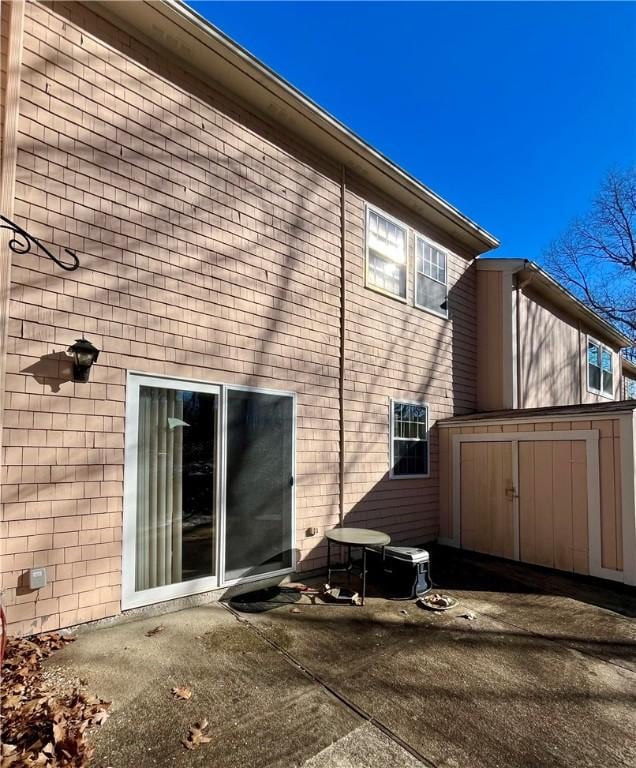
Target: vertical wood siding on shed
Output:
[
  {"x": 553, "y": 514},
  {"x": 609, "y": 479}
]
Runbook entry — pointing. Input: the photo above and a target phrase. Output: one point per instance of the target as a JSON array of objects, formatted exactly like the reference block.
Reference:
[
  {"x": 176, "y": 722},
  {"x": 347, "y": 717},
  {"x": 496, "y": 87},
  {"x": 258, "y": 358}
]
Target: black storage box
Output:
[{"x": 404, "y": 572}]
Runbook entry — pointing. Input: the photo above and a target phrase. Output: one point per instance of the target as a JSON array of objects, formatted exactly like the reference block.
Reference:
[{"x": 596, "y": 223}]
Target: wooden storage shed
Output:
[{"x": 549, "y": 486}]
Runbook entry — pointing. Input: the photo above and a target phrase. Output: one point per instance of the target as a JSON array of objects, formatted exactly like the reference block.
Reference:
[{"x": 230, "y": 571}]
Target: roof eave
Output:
[
  {"x": 628, "y": 367},
  {"x": 176, "y": 27},
  {"x": 620, "y": 339},
  {"x": 553, "y": 289}
]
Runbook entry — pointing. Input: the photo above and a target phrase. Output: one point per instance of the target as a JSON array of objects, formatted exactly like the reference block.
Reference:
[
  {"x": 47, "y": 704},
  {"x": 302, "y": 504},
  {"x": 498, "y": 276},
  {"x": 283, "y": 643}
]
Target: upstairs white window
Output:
[
  {"x": 630, "y": 389},
  {"x": 409, "y": 439},
  {"x": 600, "y": 369},
  {"x": 431, "y": 277},
  {"x": 386, "y": 254}
]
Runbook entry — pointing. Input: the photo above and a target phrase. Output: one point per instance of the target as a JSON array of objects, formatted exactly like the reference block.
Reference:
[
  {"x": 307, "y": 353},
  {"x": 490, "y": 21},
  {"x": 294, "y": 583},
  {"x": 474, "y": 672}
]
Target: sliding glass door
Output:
[
  {"x": 259, "y": 492},
  {"x": 209, "y": 487},
  {"x": 172, "y": 467}
]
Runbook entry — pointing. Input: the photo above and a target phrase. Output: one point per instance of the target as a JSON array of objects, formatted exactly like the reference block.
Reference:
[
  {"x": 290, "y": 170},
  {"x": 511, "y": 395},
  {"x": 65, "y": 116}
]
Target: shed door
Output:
[
  {"x": 487, "y": 498},
  {"x": 553, "y": 504}
]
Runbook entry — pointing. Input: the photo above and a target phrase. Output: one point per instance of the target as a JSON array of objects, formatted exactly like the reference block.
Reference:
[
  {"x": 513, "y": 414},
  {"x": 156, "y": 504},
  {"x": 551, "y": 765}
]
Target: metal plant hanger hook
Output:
[{"x": 22, "y": 241}]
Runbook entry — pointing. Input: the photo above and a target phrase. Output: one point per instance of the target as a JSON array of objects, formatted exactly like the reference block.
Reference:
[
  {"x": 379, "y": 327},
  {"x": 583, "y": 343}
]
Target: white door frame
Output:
[
  {"x": 591, "y": 438},
  {"x": 222, "y": 509},
  {"x": 134, "y": 599}
]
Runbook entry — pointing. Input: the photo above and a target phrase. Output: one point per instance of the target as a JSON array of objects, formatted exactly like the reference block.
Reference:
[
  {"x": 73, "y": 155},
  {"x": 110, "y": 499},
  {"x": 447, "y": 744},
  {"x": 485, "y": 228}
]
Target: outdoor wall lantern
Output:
[{"x": 84, "y": 355}]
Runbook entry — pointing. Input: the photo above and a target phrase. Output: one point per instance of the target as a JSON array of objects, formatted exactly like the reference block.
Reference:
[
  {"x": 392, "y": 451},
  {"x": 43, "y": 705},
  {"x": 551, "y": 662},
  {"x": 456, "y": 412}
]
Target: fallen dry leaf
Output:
[
  {"x": 43, "y": 724},
  {"x": 100, "y": 717},
  {"x": 155, "y": 631},
  {"x": 181, "y": 692},
  {"x": 196, "y": 737}
]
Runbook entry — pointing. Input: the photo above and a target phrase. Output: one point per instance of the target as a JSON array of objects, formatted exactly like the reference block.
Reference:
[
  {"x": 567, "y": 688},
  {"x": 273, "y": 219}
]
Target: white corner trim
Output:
[
  {"x": 628, "y": 495},
  {"x": 515, "y": 313},
  {"x": 456, "y": 490},
  {"x": 608, "y": 573},
  {"x": 516, "y": 511},
  {"x": 594, "y": 508}
]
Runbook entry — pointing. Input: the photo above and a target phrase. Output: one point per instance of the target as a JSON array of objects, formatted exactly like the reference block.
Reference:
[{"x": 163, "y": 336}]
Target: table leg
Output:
[{"x": 364, "y": 573}]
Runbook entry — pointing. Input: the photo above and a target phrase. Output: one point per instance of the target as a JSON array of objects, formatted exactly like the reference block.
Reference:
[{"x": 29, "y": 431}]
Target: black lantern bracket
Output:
[
  {"x": 22, "y": 242},
  {"x": 84, "y": 355}
]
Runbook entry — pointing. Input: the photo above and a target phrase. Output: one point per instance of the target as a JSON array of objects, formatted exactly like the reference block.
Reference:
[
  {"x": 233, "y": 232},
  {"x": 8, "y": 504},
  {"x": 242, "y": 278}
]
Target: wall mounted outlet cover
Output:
[{"x": 37, "y": 578}]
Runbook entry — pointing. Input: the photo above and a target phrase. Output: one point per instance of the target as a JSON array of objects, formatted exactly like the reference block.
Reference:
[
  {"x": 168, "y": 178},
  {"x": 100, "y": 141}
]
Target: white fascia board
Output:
[{"x": 177, "y": 28}]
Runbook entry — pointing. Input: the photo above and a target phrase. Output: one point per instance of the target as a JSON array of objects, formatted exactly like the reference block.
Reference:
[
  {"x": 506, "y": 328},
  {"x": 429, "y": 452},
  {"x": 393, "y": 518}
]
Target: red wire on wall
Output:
[{"x": 3, "y": 641}]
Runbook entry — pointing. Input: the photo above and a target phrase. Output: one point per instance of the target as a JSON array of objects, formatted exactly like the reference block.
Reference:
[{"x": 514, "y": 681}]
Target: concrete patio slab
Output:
[
  {"x": 538, "y": 678},
  {"x": 365, "y": 747}
]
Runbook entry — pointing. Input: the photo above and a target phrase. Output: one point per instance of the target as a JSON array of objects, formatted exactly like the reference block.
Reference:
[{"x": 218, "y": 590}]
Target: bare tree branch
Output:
[{"x": 596, "y": 256}]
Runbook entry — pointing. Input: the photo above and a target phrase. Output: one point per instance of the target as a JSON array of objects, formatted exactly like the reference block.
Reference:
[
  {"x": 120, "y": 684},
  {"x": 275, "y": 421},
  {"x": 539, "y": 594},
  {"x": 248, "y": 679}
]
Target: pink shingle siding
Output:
[
  {"x": 210, "y": 249},
  {"x": 397, "y": 350}
]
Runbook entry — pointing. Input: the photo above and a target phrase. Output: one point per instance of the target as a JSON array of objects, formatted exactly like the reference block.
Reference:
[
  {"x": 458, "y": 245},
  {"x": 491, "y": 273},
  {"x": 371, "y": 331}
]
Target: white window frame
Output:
[
  {"x": 368, "y": 208},
  {"x": 590, "y": 388},
  {"x": 130, "y": 597},
  {"x": 400, "y": 401},
  {"x": 433, "y": 244}
]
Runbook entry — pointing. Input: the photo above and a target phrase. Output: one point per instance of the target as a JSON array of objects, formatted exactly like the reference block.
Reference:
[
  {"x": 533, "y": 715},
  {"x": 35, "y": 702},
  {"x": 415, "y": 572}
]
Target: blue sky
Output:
[{"x": 511, "y": 111}]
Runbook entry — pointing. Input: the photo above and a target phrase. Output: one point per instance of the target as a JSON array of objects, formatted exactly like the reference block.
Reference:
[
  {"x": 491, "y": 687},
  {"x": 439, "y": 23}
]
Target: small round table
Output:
[{"x": 355, "y": 537}]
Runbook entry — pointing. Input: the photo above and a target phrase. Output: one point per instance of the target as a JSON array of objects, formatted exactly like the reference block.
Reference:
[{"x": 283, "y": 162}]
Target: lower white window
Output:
[
  {"x": 600, "y": 369},
  {"x": 409, "y": 439}
]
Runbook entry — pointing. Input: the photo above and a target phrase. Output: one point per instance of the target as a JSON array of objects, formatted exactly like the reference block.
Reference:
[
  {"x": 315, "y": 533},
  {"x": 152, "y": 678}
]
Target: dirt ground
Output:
[{"x": 543, "y": 675}]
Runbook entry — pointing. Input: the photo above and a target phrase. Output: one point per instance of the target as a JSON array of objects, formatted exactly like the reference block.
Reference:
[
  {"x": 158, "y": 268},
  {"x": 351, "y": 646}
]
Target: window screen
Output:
[
  {"x": 259, "y": 497},
  {"x": 431, "y": 277},
  {"x": 386, "y": 254},
  {"x": 600, "y": 369},
  {"x": 608, "y": 371},
  {"x": 409, "y": 439}
]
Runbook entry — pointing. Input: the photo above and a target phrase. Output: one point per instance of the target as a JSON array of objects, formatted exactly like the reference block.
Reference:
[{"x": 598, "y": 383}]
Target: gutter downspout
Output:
[
  {"x": 343, "y": 307},
  {"x": 8, "y": 163}
]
